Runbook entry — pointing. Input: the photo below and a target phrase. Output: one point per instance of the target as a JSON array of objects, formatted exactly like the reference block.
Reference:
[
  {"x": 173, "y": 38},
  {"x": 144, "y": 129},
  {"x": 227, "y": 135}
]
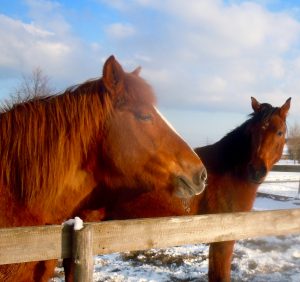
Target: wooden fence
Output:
[
  {"x": 23, "y": 244},
  {"x": 288, "y": 168}
]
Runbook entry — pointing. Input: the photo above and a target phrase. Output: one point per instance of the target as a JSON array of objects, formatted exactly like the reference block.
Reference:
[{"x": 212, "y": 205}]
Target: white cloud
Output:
[
  {"x": 222, "y": 53},
  {"x": 120, "y": 30},
  {"x": 201, "y": 54},
  {"x": 245, "y": 27},
  {"x": 277, "y": 68},
  {"x": 27, "y": 45},
  {"x": 47, "y": 14}
]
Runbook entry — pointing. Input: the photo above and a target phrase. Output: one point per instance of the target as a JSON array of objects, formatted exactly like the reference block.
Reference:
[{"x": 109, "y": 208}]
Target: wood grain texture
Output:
[
  {"x": 22, "y": 244},
  {"x": 286, "y": 168},
  {"x": 129, "y": 235},
  {"x": 83, "y": 254},
  {"x": 51, "y": 242}
]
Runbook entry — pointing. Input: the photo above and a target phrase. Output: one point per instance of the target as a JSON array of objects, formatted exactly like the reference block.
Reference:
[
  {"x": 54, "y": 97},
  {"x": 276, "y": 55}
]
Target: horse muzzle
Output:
[
  {"x": 257, "y": 174},
  {"x": 186, "y": 188}
]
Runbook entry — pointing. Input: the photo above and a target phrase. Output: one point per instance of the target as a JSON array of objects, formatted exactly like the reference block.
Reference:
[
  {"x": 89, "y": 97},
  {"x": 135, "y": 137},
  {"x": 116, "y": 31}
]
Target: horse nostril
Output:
[
  {"x": 187, "y": 187},
  {"x": 204, "y": 175},
  {"x": 200, "y": 177},
  {"x": 263, "y": 171}
]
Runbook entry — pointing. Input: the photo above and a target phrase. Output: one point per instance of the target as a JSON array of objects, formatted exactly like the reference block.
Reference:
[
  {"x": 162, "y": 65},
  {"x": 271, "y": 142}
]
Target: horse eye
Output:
[
  {"x": 279, "y": 133},
  {"x": 143, "y": 116}
]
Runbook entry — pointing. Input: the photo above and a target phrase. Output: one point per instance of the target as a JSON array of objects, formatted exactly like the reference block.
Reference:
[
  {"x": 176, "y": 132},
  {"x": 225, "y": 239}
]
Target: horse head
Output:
[
  {"x": 267, "y": 138},
  {"x": 141, "y": 149}
]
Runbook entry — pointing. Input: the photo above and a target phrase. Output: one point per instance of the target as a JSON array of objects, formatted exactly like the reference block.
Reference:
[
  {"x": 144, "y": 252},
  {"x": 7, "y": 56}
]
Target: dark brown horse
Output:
[
  {"x": 55, "y": 151},
  {"x": 236, "y": 165}
]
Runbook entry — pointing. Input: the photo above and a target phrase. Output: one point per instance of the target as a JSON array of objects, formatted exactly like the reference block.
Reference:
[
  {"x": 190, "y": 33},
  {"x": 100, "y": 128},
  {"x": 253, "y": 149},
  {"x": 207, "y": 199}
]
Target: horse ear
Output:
[
  {"x": 285, "y": 108},
  {"x": 113, "y": 75},
  {"x": 137, "y": 71},
  {"x": 255, "y": 105}
]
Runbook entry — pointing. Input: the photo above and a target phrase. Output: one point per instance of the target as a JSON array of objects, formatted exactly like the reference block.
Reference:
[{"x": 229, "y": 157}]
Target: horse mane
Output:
[
  {"x": 45, "y": 140},
  {"x": 233, "y": 151}
]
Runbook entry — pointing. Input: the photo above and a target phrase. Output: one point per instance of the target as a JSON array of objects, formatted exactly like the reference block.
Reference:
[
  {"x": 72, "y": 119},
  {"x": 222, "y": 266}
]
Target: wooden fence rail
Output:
[
  {"x": 286, "y": 168},
  {"x": 23, "y": 244}
]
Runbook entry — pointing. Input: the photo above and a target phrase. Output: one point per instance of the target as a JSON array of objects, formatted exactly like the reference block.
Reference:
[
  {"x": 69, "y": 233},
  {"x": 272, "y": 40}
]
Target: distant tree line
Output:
[
  {"x": 33, "y": 85},
  {"x": 293, "y": 142}
]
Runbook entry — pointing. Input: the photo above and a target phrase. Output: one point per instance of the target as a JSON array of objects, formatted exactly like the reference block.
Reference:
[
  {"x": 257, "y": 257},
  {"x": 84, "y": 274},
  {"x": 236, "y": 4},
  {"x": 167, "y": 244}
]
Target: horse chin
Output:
[
  {"x": 256, "y": 181},
  {"x": 185, "y": 189}
]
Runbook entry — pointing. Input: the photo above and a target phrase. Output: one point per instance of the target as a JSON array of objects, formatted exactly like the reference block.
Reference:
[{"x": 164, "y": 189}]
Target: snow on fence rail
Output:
[{"x": 22, "y": 244}]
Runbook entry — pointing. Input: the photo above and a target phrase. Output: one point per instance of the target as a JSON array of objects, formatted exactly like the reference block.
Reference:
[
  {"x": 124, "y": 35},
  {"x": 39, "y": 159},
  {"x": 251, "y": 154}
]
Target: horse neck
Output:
[
  {"x": 230, "y": 154},
  {"x": 46, "y": 144}
]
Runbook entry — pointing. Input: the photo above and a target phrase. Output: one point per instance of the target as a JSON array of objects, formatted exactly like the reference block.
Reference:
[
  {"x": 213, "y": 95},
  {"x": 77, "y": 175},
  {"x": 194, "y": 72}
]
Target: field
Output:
[{"x": 261, "y": 259}]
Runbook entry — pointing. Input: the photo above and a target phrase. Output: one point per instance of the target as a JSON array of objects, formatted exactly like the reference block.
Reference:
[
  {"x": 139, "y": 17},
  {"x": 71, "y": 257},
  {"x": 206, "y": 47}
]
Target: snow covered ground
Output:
[
  {"x": 285, "y": 184},
  {"x": 275, "y": 259}
]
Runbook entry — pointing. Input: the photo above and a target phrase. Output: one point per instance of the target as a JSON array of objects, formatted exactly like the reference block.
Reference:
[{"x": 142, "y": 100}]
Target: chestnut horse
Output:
[
  {"x": 57, "y": 150},
  {"x": 236, "y": 165},
  {"x": 252, "y": 148}
]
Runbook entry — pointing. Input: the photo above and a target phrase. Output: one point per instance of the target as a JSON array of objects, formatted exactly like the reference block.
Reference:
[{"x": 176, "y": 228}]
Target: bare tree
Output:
[
  {"x": 36, "y": 84},
  {"x": 293, "y": 141}
]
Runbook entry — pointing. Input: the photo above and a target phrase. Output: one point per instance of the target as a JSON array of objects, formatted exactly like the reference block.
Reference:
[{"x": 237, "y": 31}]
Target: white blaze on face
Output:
[
  {"x": 171, "y": 127},
  {"x": 167, "y": 122}
]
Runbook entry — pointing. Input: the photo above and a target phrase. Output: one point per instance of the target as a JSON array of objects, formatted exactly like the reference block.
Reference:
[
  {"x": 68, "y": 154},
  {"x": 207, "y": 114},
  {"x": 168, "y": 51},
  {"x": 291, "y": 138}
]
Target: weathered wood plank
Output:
[
  {"x": 129, "y": 235},
  {"x": 22, "y": 244},
  {"x": 50, "y": 242},
  {"x": 286, "y": 168},
  {"x": 83, "y": 254}
]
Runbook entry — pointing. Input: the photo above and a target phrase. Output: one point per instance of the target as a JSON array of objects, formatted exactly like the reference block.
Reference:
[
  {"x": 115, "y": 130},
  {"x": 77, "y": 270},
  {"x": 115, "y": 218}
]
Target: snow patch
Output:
[
  {"x": 78, "y": 225},
  {"x": 76, "y": 222},
  {"x": 275, "y": 259}
]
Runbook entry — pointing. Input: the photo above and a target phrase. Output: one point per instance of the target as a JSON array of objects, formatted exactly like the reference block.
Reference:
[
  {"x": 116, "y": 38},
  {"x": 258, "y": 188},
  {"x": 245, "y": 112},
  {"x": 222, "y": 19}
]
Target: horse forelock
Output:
[
  {"x": 263, "y": 116},
  {"x": 137, "y": 90},
  {"x": 265, "y": 113},
  {"x": 45, "y": 138}
]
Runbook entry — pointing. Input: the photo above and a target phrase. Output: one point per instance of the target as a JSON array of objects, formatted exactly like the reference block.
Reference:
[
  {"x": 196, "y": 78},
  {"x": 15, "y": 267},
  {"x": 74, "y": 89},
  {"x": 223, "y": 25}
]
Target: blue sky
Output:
[{"x": 204, "y": 58}]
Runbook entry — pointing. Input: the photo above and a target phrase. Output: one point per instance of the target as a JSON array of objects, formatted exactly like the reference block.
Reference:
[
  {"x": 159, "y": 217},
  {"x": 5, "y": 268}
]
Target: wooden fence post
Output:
[{"x": 83, "y": 254}]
